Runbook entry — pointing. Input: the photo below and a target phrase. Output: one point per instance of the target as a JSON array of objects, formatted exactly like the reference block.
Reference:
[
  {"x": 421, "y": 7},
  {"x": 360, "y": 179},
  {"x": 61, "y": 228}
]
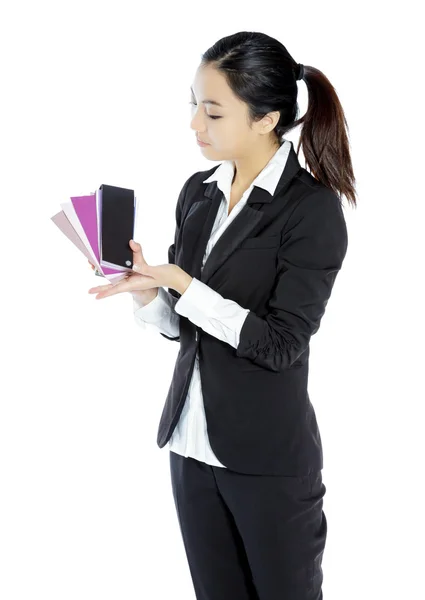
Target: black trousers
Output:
[{"x": 250, "y": 537}]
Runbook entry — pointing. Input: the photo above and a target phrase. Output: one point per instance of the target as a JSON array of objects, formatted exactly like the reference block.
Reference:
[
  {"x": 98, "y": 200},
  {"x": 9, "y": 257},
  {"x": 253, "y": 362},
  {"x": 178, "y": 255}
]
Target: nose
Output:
[{"x": 197, "y": 123}]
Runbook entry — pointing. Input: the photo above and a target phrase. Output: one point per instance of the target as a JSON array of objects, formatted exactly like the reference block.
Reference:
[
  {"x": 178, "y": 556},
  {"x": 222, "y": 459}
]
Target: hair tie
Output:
[{"x": 300, "y": 72}]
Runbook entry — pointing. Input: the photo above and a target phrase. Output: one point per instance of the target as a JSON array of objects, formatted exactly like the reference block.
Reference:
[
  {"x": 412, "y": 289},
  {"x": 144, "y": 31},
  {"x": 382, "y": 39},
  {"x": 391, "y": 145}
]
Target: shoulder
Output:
[
  {"x": 197, "y": 178},
  {"x": 191, "y": 187},
  {"x": 315, "y": 198},
  {"x": 317, "y": 216}
]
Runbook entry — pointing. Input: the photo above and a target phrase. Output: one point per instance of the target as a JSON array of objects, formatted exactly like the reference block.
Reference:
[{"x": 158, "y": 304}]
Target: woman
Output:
[{"x": 258, "y": 244}]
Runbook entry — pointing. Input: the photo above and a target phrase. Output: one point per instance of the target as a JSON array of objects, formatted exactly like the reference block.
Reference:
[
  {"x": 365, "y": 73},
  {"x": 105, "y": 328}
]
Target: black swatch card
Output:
[{"x": 117, "y": 225}]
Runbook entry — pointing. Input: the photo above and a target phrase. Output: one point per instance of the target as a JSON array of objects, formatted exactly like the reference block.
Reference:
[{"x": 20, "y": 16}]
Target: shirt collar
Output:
[{"x": 267, "y": 179}]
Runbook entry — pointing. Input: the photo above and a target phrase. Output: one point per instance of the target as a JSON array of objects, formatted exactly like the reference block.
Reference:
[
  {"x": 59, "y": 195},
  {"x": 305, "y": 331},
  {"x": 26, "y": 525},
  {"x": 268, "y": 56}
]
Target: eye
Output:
[{"x": 210, "y": 116}]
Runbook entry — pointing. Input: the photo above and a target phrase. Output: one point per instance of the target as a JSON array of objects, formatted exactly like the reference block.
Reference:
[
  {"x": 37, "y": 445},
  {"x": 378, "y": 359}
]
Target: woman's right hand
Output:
[{"x": 145, "y": 296}]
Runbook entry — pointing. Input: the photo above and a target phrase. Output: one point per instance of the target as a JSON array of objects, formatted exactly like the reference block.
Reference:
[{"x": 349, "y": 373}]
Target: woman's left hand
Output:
[{"x": 145, "y": 277}]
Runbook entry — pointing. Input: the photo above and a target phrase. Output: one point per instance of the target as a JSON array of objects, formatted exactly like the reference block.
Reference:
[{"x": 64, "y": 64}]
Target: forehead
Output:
[
  {"x": 209, "y": 100},
  {"x": 211, "y": 87}
]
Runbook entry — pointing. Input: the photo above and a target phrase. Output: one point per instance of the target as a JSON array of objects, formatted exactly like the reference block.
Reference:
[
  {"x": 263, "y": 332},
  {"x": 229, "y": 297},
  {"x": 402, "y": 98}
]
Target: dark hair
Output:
[{"x": 260, "y": 72}]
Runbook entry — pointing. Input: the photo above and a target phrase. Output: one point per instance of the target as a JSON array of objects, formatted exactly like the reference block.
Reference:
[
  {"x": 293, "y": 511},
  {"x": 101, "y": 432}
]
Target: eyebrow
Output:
[{"x": 208, "y": 101}]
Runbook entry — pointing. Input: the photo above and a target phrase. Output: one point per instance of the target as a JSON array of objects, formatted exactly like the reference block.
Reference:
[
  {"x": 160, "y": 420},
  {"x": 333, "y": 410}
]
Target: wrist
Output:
[
  {"x": 145, "y": 296},
  {"x": 182, "y": 281}
]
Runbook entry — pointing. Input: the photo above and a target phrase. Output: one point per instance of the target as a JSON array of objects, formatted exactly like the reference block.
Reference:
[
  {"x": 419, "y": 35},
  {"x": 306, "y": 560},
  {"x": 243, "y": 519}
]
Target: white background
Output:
[{"x": 98, "y": 93}]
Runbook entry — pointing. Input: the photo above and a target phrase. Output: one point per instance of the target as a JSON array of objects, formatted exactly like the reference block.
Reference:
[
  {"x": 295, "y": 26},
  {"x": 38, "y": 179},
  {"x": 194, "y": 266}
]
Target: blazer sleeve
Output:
[
  {"x": 172, "y": 254},
  {"x": 311, "y": 254}
]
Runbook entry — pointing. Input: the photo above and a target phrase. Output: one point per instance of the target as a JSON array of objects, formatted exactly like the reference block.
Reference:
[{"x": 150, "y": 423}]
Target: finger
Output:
[
  {"x": 103, "y": 291},
  {"x": 138, "y": 258}
]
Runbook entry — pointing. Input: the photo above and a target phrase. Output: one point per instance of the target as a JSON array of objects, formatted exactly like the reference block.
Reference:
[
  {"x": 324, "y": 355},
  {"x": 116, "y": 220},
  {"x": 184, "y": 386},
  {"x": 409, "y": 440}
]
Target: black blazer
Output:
[{"x": 279, "y": 257}]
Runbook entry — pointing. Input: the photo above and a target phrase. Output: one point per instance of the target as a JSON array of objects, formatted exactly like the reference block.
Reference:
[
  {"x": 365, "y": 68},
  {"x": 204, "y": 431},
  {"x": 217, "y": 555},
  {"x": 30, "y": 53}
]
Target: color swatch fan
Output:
[{"x": 100, "y": 225}]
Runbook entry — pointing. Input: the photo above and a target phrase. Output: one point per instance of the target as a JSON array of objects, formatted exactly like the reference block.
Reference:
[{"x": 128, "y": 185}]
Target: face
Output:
[{"x": 224, "y": 126}]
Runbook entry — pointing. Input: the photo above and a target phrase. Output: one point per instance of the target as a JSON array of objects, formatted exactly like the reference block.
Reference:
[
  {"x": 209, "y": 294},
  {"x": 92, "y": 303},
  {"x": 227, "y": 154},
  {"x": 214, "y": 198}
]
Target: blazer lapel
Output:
[
  {"x": 240, "y": 228},
  {"x": 203, "y": 214}
]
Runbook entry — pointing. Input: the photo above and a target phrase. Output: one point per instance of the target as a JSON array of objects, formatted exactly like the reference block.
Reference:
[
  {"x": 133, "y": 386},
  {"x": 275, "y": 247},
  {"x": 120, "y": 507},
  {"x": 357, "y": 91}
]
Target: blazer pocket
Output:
[{"x": 270, "y": 241}]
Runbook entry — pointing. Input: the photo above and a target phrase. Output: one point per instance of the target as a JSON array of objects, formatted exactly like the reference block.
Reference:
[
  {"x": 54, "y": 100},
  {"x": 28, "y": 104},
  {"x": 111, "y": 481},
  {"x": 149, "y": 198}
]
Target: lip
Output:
[{"x": 201, "y": 143}]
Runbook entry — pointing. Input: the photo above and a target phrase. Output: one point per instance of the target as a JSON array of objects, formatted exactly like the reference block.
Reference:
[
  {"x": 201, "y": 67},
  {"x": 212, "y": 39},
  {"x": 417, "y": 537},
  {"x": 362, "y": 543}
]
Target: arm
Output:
[
  {"x": 309, "y": 259},
  {"x": 158, "y": 314},
  {"x": 218, "y": 316}
]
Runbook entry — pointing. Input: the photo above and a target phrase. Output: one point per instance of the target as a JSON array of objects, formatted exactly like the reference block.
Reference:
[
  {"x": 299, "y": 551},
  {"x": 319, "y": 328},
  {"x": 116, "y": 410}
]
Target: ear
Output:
[{"x": 270, "y": 120}]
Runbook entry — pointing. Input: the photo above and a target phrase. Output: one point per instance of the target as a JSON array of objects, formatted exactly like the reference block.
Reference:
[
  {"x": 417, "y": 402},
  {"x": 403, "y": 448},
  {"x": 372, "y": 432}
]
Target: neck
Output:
[{"x": 247, "y": 168}]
